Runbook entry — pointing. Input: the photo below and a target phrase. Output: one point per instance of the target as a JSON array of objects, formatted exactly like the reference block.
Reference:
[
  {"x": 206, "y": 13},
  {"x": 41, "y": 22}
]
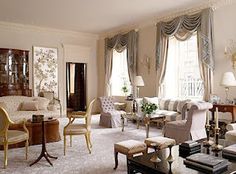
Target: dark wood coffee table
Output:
[{"x": 142, "y": 164}]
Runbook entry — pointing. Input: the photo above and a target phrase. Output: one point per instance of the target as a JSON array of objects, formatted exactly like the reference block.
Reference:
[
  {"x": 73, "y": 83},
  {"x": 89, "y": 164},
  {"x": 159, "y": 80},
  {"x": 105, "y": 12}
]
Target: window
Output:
[
  {"x": 182, "y": 78},
  {"x": 120, "y": 83}
]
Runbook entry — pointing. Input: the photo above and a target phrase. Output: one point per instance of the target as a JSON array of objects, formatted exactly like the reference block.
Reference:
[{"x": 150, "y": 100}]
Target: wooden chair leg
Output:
[
  {"x": 64, "y": 144},
  {"x": 70, "y": 140},
  {"x": 26, "y": 149},
  {"x": 89, "y": 138},
  {"x": 5, "y": 154},
  {"x": 87, "y": 142},
  {"x": 116, "y": 159}
]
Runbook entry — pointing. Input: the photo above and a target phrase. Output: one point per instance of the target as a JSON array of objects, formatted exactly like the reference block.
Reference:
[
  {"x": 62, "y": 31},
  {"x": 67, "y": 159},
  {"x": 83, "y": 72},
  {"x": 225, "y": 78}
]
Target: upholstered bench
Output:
[
  {"x": 161, "y": 142},
  {"x": 128, "y": 148}
]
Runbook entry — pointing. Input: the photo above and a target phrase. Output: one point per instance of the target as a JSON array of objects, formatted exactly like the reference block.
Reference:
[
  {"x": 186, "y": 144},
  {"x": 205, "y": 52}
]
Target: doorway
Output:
[{"x": 76, "y": 85}]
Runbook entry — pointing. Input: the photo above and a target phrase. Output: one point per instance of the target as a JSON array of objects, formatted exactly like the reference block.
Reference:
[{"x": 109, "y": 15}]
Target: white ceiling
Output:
[{"x": 91, "y": 16}]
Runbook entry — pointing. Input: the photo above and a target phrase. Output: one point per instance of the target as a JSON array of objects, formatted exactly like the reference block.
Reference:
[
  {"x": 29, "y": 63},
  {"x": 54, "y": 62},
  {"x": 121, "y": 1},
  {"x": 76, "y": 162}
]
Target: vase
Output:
[{"x": 147, "y": 124}]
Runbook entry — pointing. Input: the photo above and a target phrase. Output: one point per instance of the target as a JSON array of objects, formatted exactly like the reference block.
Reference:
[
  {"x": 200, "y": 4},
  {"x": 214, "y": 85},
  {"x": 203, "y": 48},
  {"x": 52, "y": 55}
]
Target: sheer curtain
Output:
[{"x": 182, "y": 28}]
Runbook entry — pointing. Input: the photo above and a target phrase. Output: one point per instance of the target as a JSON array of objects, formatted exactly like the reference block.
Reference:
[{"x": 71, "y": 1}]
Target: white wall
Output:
[
  {"x": 225, "y": 29},
  {"x": 25, "y": 37}
]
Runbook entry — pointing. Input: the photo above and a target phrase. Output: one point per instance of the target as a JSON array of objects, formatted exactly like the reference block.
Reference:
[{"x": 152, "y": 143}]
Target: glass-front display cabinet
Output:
[{"x": 14, "y": 72}]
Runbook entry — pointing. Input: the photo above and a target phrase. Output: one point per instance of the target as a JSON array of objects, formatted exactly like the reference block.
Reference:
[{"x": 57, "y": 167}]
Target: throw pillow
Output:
[
  {"x": 164, "y": 103},
  {"x": 173, "y": 105},
  {"x": 42, "y": 103},
  {"x": 29, "y": 106},
  {"x": 181, "y": 105}
]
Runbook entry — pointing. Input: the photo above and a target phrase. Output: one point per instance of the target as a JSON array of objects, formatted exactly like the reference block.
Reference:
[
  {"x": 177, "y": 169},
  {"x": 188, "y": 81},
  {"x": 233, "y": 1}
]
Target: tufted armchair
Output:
[
  {"x": 8, "y": 137},
  {"x": 193, "y": 127},
  {"x": 110, "y": 117}
]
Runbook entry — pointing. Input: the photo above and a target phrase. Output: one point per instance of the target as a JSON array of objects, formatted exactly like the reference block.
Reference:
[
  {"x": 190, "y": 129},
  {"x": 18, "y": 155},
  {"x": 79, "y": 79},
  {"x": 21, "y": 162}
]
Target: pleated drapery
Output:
[
  {"x": 183, "y": 28},
  {"x": 119, "y": 43}
]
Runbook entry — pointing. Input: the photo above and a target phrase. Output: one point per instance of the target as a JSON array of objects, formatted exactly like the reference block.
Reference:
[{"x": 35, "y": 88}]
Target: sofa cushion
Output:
[
  {"x": 170, "y": 115},
  {"x": 154, "y": 100},
  {"x": 42, "y": 102},
  {"x": 29, "y": 106}
]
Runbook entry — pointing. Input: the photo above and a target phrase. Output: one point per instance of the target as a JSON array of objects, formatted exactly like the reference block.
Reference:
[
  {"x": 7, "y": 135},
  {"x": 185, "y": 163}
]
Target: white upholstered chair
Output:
[
  {"x": 79, "y": 128},
  {"x": 110, "y": 117},
  {"x": 8, "y": 137},
  {"x": 193, "y": 127}
]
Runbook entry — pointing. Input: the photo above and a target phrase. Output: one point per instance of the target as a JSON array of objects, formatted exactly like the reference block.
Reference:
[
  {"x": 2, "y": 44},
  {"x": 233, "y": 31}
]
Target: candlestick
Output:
[
  {"x": 217, "y": 119},
  {"x": 208, "y": 119},
  {"x": 217, "y": 147}
]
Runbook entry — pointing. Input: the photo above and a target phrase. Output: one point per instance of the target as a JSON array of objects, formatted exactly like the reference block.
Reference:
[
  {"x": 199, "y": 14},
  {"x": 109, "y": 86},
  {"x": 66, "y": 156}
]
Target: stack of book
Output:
[
  {"x": 206, "y": 163},
  {"x": 229, "y": 152},
  {"x": 188, "y": 148}
]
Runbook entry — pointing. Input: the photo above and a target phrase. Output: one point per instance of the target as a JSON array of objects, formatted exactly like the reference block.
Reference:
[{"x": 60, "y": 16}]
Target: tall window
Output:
[
  {"x": 120, "y": 82},
  {"x": 182, "y": 78}
]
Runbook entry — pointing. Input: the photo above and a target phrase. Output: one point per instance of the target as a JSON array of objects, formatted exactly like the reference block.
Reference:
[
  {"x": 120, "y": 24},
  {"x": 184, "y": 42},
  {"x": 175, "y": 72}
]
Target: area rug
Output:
[{"x": 77, "y": 159}]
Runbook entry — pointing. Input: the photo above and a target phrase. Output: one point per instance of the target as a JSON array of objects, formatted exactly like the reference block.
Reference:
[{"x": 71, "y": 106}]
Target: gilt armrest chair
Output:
[{"x": 8, "y": 137}]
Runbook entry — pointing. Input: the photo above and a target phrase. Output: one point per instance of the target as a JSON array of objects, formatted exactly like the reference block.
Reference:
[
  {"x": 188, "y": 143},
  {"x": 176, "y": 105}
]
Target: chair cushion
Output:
[
  {"x": 176, "y": 124},
  {"x": 3, "y": 105},
  {"x": 130, "y": 147},
  {"x": 230, "y": 135},
  {"x": 75, "y": 129},
  {"x": 15, "y": 136},
  {"x": 162, "y": 142}
]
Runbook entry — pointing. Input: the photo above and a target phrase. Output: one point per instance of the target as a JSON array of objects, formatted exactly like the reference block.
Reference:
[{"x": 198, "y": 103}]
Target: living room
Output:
[{"x": 82, "y": 40}]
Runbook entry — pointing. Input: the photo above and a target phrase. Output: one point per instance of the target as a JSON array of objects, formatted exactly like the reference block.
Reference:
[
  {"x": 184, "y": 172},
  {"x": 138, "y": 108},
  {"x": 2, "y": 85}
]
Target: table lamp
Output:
[
  {"x": 228, "y": 80},
  {"x": 138, "y": 82}
]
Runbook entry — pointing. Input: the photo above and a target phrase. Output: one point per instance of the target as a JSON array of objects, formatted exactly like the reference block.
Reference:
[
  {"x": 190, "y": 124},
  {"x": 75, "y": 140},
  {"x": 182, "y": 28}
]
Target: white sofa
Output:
[
  {"x": 230, "y": 135},
  {"x": 170, "y": 108},
  {"x": 13, "y": 105}
]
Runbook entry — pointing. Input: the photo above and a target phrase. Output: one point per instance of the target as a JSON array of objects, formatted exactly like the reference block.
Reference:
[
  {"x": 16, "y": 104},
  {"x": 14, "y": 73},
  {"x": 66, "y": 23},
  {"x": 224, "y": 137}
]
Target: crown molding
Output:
[
  {"x": 20, "y": 27},
  {"x": 214, "y": 4}
]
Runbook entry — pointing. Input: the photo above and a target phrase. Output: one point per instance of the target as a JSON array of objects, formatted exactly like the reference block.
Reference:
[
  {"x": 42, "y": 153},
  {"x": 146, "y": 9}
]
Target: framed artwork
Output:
[{"x": 45, "y": 70}]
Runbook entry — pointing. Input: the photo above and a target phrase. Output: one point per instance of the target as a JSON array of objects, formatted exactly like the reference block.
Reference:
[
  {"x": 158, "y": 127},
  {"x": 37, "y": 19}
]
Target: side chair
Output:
[
  {"x": 78, "y": 128},
  {"x": 8, "y": 137}
]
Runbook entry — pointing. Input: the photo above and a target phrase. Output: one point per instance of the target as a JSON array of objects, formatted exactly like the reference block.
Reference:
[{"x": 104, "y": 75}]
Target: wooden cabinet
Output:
[{"x": 14, "y": 72}]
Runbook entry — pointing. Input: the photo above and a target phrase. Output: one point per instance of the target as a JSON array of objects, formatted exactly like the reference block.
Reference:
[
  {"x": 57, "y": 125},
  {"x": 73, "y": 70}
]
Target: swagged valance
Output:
[
  {"x": 119, "y": 43},
  {"x": 182, "y": 28}
]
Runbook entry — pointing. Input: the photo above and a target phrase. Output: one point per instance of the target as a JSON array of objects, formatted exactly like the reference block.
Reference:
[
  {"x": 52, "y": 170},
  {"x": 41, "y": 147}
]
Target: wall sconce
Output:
[
  {"x": 146, "y": 61},
  {"x": 230, "y": 52}
]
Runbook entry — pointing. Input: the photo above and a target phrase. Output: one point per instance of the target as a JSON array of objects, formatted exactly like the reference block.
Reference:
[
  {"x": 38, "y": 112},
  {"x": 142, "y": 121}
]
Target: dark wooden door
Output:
[{"x": 76, "y": 77}]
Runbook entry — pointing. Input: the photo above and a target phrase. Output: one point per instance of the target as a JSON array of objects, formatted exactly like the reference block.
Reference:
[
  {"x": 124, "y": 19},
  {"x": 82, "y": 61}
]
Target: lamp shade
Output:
[
  {"x": 138, "y": 81},
  {"x": 228, "y": 79}
]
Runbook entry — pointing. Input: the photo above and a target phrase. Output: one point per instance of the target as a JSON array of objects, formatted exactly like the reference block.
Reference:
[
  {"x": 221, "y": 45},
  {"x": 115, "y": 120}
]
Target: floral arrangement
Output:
[{"x": 148, "y": 108}]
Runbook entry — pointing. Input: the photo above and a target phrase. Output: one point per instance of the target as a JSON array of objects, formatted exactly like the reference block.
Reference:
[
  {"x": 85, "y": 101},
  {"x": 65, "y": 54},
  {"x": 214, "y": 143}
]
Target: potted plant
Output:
[{"x": 148, "y": 108}]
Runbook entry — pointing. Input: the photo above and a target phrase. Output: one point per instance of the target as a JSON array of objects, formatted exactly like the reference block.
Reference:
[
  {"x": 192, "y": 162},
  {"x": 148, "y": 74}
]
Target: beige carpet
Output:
[{"x": 77, "y": 159}]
